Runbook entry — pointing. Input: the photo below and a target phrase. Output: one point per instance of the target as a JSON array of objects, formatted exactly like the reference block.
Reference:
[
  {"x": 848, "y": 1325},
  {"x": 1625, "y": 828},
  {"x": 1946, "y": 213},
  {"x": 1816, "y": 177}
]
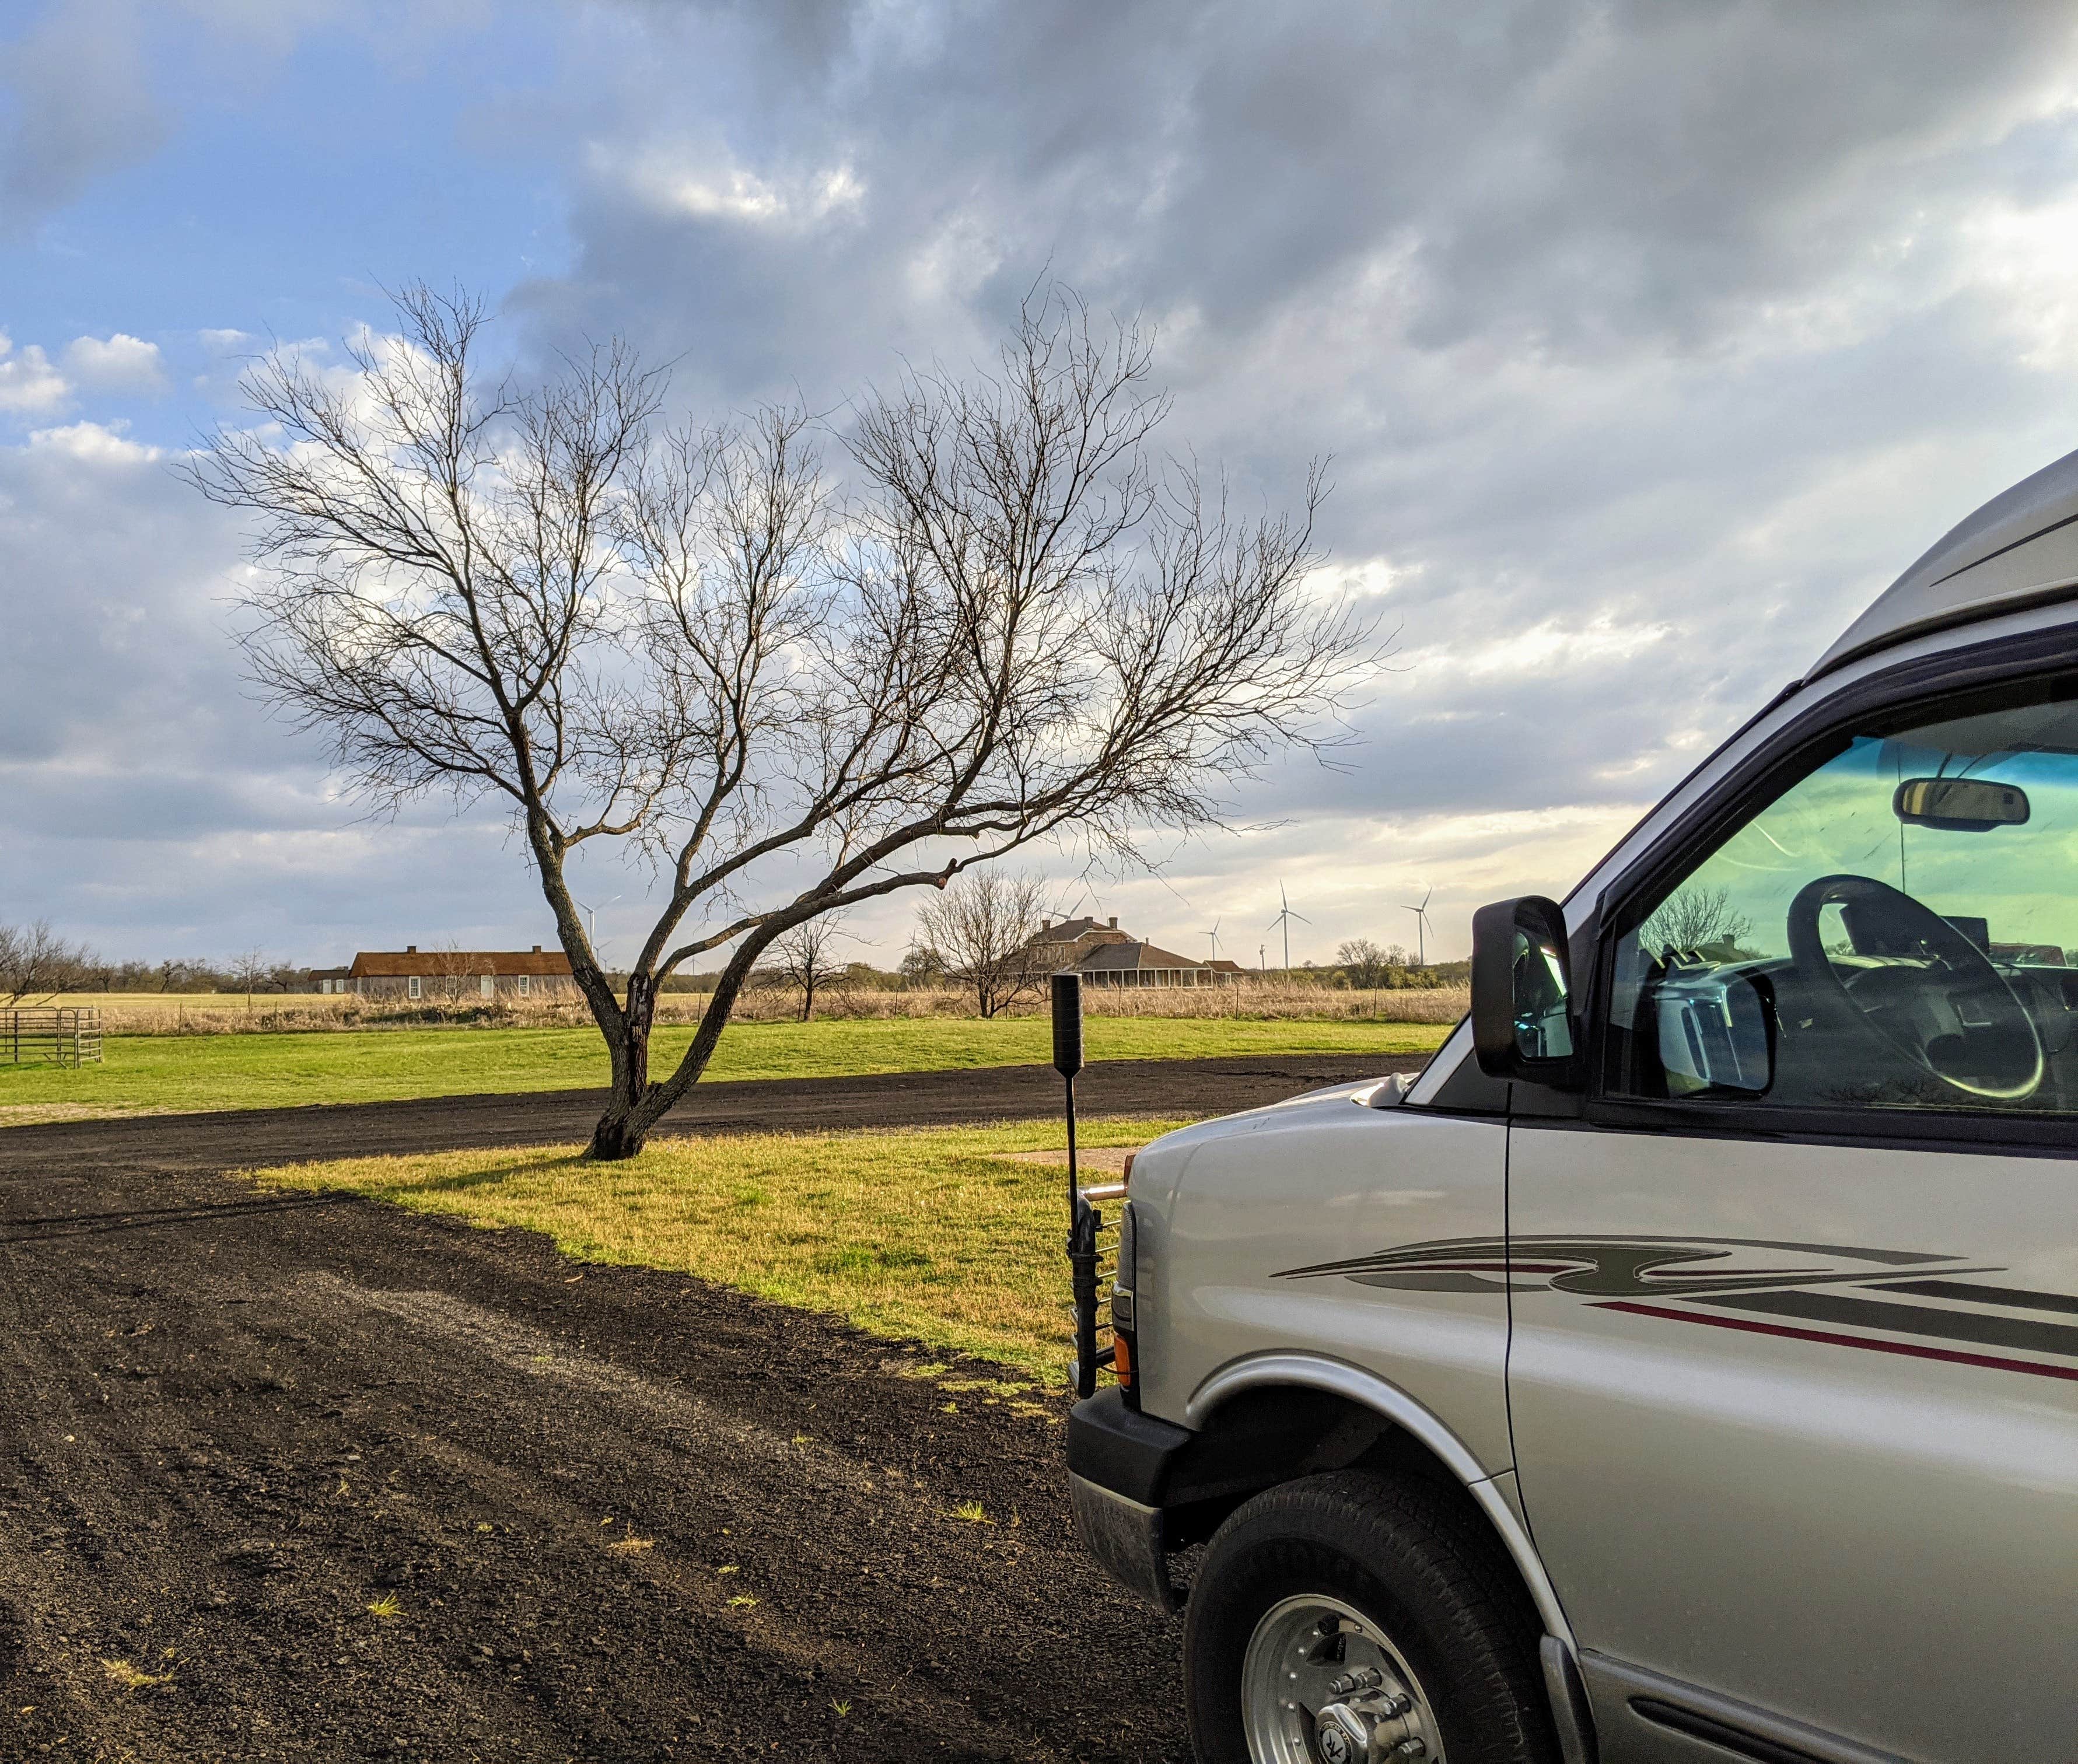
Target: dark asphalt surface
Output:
[{"x": 248, "y": 1139}]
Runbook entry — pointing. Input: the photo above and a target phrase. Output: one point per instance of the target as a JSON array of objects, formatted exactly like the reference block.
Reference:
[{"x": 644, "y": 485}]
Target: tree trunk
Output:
[
  {"x": 620, "y": 1133},
  {"x": 625, "y": 1127}
]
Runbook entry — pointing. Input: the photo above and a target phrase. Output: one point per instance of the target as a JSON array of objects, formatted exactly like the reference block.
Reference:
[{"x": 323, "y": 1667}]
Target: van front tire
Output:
[{"x": 1342, "y": 1606}]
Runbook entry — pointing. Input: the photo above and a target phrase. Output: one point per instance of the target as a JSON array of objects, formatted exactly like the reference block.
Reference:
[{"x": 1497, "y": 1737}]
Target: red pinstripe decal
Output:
[{"x": 1912, "y": 1350}]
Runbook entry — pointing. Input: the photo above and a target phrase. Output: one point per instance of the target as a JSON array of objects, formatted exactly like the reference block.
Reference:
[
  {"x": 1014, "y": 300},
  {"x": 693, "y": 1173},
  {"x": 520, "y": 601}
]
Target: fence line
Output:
[{"x": 69, "y": 1035}]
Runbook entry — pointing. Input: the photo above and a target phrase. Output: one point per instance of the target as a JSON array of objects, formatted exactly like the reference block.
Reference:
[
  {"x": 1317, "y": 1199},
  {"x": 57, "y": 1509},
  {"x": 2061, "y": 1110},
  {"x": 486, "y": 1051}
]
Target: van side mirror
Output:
[
  {"x": 1522, "y": 993},
  {"x": 1715, "y": 1029}
]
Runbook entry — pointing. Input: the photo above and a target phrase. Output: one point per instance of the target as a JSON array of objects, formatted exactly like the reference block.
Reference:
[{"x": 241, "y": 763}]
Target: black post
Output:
[
  {"x": 1068, "y": 1061},
  {"x": 1068, "y": 1002}
]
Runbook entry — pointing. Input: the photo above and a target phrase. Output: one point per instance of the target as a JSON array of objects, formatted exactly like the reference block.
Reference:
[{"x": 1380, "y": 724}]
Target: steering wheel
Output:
[{"x": 1928, "y": 992}]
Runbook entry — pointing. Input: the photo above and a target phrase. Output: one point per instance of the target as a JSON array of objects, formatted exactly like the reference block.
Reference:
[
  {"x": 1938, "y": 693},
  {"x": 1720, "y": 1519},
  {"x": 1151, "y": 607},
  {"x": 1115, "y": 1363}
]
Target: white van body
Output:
[{"x": 1739, "y": 1380}]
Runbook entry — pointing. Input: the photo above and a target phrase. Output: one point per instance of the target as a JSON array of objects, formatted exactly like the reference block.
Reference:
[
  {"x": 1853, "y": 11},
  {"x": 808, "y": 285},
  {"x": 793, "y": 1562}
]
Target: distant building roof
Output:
[
  {"x": 434, "y": 964},
  {"x": 1075, "y": 930},
  {"x": 1108, "y": 957}
]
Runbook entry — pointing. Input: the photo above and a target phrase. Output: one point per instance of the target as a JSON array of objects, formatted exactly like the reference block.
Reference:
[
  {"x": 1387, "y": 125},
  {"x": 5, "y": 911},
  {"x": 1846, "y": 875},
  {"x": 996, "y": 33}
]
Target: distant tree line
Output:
[
  {"x": 37, "y": 962},
  {"x": 975, "y": 937},
  {"x": 1371, "y": 967}
]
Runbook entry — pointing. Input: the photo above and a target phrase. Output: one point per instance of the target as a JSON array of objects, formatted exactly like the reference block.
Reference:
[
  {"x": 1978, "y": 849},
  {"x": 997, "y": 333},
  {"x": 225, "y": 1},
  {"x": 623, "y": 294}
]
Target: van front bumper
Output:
[
  {"x": 1124, "y": 1539},
  {"x": 1118, "y": 1466}
]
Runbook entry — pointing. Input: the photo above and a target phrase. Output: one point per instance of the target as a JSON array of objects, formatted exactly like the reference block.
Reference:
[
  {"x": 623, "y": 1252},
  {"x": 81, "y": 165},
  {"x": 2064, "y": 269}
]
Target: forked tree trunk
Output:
[{"x": 637, "y": 1104}]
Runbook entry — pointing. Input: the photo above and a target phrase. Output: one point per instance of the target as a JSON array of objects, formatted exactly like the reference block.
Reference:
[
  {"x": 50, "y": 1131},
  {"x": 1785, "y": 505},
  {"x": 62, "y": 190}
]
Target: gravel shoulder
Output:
[{"x": 613, "y": 1513}]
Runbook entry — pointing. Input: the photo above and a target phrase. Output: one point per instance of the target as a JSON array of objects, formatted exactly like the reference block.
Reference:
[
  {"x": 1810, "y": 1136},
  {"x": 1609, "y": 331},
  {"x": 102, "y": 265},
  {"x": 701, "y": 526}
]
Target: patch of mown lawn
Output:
[
  {"x": 933, "y": 1233},
  {"x": 206, "y": 1072}
]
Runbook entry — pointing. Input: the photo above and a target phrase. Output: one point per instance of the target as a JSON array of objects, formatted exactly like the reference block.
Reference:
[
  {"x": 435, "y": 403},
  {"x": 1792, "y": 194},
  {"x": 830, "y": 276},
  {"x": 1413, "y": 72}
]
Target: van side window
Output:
[{"x": 1898, "y": 929}]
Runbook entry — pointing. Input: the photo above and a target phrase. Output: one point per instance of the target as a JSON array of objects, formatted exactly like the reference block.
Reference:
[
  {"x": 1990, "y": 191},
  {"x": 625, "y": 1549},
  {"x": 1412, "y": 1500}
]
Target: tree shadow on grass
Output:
[{"x": 462, "y": 1182}]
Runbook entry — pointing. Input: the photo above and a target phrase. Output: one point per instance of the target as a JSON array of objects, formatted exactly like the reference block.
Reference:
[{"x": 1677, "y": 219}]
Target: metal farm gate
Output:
[{"x": 65, "y": 1035}]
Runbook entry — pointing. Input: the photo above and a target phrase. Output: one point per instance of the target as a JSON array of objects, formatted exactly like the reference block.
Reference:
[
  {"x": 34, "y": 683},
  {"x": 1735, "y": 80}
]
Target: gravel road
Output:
[{"x": 306, "y": 1477}]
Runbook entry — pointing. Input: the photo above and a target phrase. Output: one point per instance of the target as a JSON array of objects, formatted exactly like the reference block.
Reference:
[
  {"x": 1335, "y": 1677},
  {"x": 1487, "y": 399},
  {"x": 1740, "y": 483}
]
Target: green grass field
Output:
[
  {"x": 932, "y": 1232},
  {"x": 206, "y": 1072}
]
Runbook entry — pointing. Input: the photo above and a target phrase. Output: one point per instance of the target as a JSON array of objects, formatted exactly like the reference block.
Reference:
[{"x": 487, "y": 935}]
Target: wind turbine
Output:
[
  {"x": 591, "y": 922},
  {"x": 1422, "y": 927},
  {"x": 1214, "y": 934},
  {"x": 1284, "y": 917}
]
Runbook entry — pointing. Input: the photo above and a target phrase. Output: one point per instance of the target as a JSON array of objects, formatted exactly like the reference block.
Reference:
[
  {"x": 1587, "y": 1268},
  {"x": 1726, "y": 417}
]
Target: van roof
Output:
[{"x": 2020, "y": 549}]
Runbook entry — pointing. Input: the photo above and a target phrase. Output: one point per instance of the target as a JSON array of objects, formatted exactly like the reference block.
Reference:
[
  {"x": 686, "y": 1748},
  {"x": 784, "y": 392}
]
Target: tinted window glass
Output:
[{"x": 1898, "y": 929}]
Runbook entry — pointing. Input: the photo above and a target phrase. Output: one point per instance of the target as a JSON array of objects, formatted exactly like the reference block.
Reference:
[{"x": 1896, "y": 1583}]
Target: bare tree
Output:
[
  {"x": 1696, "y": 918},
  {"x": 983, "y": 929},
  {"x": 34, "y": 960},
  {"x": 456, "y": 969},
  {"x": 1024, "y": 623},
  {"x": 248, "y": 969},
  {"x": 804, "y": 962}
]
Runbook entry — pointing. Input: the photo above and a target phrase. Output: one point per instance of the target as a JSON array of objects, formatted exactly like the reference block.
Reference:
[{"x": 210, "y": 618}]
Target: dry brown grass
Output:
[
  {"x": 1268, "y": 998},
  {"x": 133, "y": 1678},
  {"x": 1258, "y": 999},
  {"x": 210, "y": 1013},
  {"x": 215, "y": 1013}
]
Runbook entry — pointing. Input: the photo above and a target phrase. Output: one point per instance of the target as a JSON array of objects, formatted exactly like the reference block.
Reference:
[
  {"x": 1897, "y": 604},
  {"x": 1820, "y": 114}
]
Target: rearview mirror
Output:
[
  {"x": 1522, "y": 992},
  {"x": 1960, "y": 805}
]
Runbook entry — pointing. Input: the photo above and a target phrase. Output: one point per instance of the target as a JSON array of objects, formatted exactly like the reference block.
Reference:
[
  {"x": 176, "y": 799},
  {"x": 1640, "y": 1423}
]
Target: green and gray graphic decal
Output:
[{"x": 1913, "y": 1303}]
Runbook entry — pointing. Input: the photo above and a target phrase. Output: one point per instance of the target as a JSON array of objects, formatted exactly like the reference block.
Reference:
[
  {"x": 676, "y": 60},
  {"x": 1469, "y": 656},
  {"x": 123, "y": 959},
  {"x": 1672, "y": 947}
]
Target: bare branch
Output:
[{"x": 36, "y": 962}]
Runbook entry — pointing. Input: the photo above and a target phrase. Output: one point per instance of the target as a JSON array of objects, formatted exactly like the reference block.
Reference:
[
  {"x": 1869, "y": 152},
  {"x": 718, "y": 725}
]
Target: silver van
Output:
[{"x": 1684, "y": 1367}]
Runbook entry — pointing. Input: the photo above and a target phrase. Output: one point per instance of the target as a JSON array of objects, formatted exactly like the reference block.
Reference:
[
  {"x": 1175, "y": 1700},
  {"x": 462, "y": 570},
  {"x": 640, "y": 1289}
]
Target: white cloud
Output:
[
  {"x": 102, "y": 443},
  {"x": 150, "y": 805},
  {"x": 1546, "y": 648},
  {"x": 680, "y": 181},
  {"x": 120, "y": 363},
  {"x": 29, "y": 384},
  {"x": 1647, "y": 342}
]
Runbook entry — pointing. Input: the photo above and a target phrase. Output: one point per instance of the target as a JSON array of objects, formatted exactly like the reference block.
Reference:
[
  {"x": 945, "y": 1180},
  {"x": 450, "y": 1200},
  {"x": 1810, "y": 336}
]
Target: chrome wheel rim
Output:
[{"x": 1323, "y": 1684}]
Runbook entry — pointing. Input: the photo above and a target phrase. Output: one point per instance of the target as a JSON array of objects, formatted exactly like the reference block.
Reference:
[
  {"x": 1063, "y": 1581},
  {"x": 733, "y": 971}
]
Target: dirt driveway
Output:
[{"x": 301, "y": 1477}]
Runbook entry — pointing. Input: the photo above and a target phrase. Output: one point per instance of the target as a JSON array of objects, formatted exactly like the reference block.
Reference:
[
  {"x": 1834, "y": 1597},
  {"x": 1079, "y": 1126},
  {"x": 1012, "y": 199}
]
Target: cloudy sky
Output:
[{"x": 1650, "y": 340}]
